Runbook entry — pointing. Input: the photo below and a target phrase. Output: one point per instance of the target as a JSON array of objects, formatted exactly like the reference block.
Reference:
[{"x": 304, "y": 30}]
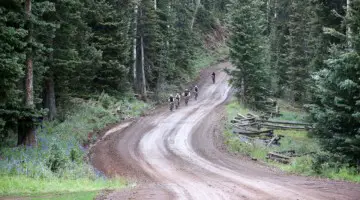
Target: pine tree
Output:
[
  {"x": 298, "y": 66},
  {"x": 12, "y": 56},
  {"x": 336, "y": 107},
  {"x": 279, "y": 46},
  {"x": 247, "y": 51},
  {"x": 110, "y": 23}
]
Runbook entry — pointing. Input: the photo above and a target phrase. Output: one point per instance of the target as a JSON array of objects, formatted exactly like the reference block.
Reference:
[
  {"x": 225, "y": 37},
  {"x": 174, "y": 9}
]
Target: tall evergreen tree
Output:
[
  {"x": 110, "y": 23},
  {"x": 298, "y": 66},
  {"x": 247, "y": 51},
  {"x": 336, "y": 106}
]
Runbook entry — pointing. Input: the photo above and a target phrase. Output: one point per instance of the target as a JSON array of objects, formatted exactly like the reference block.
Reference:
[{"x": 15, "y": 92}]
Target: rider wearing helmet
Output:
[
  {"x": 171, "y": 98},
  {"x": 177, "y": 96},
  {"x": 187, "y": 93},
  {"x": 171, "y": 102},
  {"x": 196, "y": 89},
  {"x": 187, "y": 96}
]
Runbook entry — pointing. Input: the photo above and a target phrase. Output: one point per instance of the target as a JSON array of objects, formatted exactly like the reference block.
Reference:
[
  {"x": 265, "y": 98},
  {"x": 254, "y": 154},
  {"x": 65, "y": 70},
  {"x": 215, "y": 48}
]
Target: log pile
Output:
[
  {"x": 252, "y": 127},
  {"x": 259, "y": 122}
]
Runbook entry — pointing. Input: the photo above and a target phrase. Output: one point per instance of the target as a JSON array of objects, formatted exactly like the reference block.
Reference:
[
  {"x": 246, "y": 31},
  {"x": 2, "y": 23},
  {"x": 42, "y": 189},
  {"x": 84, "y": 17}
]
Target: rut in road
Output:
[{"x": 174, "y": 156}]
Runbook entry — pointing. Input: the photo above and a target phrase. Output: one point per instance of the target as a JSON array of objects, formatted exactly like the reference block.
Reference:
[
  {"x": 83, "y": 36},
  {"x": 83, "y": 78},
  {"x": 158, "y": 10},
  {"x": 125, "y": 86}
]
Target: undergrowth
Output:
[
  {"x": 314, "y": 163},
  {"x": 23, "y": 185},
  {"x": 60, "y": 157}
]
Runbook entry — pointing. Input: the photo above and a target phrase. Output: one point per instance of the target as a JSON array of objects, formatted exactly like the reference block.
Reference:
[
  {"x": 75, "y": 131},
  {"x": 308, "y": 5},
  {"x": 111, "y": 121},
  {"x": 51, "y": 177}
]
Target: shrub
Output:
[
  {"x": 75, "y": 155},
  {"x": 57, "y": 159}
]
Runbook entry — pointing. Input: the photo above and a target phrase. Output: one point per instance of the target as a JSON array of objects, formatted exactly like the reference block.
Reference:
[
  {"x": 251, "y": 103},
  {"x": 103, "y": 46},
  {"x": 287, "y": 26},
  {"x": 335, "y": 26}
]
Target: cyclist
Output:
[
  {"x": 171, "y": 102},
  {"x": 187, "y": 96},
  {"x": 196, "y": 90},
  {"x": 177, "y": 103}
]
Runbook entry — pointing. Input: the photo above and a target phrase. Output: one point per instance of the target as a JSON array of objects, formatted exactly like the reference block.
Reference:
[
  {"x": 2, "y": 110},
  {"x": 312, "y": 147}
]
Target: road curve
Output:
[{"x": 178, "y": 155}]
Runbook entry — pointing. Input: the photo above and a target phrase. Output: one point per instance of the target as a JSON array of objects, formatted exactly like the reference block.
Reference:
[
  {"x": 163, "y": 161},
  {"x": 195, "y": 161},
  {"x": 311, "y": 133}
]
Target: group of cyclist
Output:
[{"x": 176, "y": 100}]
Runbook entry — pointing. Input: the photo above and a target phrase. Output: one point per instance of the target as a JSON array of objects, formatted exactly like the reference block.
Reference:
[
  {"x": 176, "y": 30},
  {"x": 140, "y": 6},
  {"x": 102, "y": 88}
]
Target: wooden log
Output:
[
  {"x": 250, "y": 131},
  {"x": 286, "y": 122},
  {"x": 238, "y": 118},
  {"x": 253, "y": 115},
  {"x": 278, "y": 157},
  {"x": 283, "y": 127},
  {"x": 235, "y": 121},
  {"x": 244, "y": 124},
  {"x": 240, "y": 115},
  {"x": 241, "y": 121}
]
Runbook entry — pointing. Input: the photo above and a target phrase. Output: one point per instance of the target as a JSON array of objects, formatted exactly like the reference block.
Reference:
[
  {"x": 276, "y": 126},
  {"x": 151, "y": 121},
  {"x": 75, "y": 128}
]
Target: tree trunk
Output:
[
  {"x": 348, "y": 27},
  {"x": 50, "y": 101},
  {"x": 155, "y": 4},
  {"x": 30, "y": 136},
  {"x": 195, "y": 13},
  {"x": 143, "y": 80},
  {"x": 268, "y": 12},
  {"x": 136, "y": 7},
  {"x": 242, "y": 89},
  {"x": 29, "y": 98}
]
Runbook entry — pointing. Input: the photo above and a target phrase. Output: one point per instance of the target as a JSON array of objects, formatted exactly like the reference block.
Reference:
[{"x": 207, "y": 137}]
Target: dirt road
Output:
[{"x": 179, "y": 155}]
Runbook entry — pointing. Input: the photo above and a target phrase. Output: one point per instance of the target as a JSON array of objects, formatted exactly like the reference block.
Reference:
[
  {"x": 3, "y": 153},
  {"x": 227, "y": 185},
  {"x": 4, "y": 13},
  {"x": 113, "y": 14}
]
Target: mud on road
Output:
[{"x": 179, "y": 155}]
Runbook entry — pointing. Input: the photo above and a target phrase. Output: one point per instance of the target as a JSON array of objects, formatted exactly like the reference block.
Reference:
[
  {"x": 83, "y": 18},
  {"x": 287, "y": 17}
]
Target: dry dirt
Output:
[{"x": 180, "y": 155}]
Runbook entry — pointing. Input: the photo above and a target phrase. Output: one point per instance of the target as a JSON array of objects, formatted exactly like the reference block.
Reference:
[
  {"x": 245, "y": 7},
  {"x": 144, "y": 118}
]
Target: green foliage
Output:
[
  {"x": 56, "y": 160},
  {"x": 335, "y": 109},
  {"x": 247, "y": 48},
  {"x": 22, "y": 185},
  {"x": 11, "y": 55},
  {"x": 297, "y": 70}
]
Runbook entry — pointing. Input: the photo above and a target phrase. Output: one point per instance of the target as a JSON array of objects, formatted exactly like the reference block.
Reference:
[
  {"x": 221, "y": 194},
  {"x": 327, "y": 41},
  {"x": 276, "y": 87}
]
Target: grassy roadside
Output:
[
  {"x": 300, "y": 141},
  {"x": 59, "y": 163},
  {"x": 24, "y": 186},
  {"x": 77, "y": 195}
]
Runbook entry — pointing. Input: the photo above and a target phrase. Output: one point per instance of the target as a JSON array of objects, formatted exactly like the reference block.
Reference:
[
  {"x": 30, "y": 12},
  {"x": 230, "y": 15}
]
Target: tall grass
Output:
[
  {"x": 299, "y": 141},
  {"x": 60, "y": 156},
  {"x": 22, "y": 185}
]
